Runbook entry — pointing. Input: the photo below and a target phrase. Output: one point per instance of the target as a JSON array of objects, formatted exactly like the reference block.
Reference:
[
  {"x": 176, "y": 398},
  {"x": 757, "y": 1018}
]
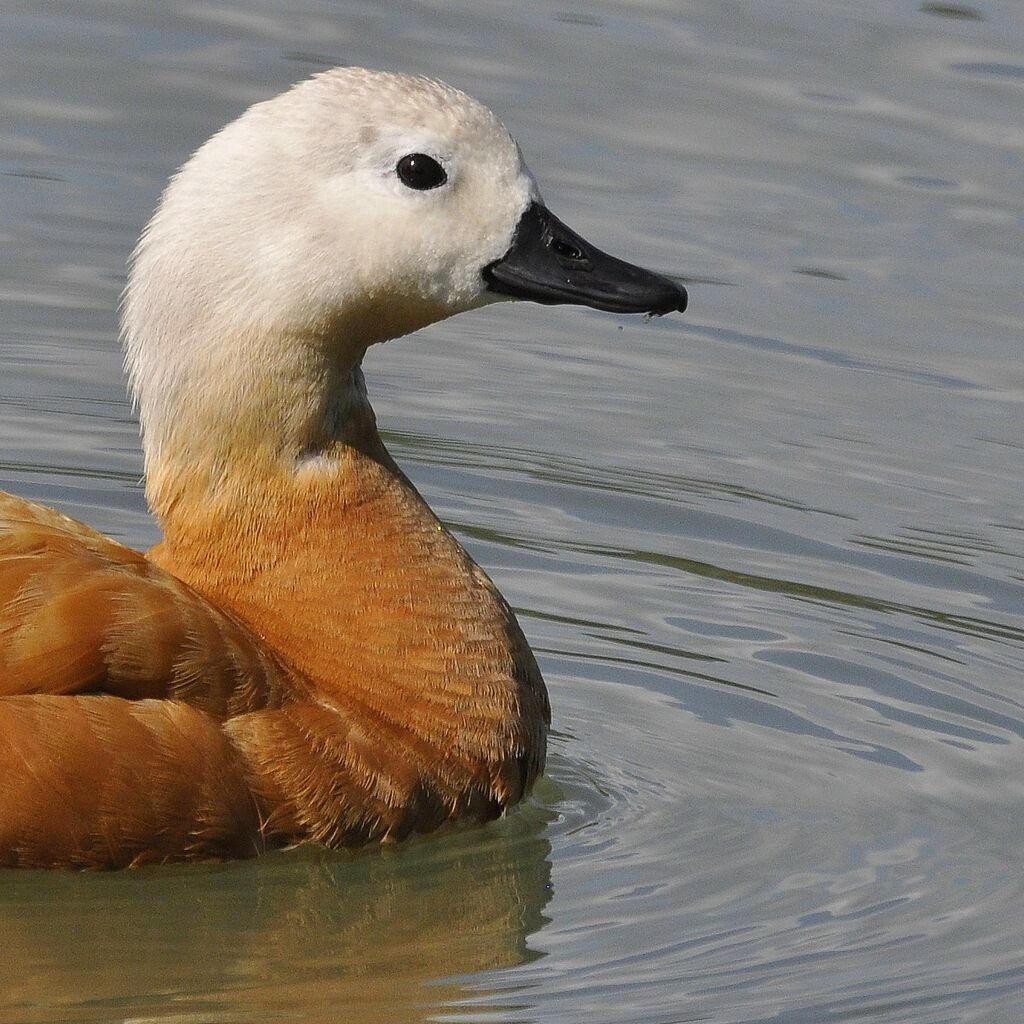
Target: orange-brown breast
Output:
[{"x": 426, "y": 703}]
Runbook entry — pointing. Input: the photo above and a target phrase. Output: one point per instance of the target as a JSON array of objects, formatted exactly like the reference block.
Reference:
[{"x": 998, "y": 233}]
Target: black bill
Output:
[{"x": 550, "y": 263}]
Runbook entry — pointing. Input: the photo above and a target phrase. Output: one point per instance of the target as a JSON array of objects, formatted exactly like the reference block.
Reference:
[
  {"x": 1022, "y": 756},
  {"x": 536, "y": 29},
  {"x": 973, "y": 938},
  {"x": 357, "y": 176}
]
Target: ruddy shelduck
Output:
[{"x": 308, "y": 655}]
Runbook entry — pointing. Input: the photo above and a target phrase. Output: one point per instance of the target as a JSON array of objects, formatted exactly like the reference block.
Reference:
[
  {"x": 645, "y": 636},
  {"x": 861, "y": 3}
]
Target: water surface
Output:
[{"x": 770, "y": 554}]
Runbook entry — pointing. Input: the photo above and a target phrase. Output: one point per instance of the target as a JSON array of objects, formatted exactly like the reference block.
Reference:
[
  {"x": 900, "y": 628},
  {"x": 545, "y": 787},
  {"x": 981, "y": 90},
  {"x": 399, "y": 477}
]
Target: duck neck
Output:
[
  {"x": 216, "y": 430},
  {"x": 239, "y": 499}
]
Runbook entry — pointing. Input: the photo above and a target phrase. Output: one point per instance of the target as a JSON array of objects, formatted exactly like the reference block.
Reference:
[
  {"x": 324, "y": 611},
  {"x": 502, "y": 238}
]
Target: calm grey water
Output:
[{"x": 770, "y": 555}]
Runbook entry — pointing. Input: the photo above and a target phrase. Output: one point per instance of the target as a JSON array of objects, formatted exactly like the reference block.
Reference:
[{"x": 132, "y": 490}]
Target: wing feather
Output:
[
  {"x": 80, "y": 613},
  {"x": 96, "y": 781}
]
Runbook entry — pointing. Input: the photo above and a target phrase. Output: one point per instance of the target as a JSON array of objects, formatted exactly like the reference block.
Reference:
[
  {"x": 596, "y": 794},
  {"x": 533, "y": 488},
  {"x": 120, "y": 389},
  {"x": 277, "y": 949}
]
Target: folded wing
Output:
[{"x": 115, "y": 679}]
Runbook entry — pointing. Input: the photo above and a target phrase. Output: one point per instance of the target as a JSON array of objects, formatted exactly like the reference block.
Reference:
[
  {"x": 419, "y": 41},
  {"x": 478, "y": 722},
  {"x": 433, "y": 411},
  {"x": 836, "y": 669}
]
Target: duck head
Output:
[{"x": 357, "y": 207}]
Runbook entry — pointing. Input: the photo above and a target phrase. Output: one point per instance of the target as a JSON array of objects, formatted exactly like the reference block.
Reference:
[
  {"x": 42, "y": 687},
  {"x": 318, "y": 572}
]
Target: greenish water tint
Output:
[
  {"x": 770, "y": 554},
  {"x": 298, "y": 936}
]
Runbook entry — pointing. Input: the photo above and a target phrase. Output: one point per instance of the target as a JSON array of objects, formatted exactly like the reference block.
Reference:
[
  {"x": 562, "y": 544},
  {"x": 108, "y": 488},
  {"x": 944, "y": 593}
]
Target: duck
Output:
[{"x": 308, "y": 656}]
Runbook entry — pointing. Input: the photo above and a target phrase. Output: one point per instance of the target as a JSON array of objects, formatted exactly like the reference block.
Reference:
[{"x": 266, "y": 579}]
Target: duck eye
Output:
[{"x": 421, "y": 172}]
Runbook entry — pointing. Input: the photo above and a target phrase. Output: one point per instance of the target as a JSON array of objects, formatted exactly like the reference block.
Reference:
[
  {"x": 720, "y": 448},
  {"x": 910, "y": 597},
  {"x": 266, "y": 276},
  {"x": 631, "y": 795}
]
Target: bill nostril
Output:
[{"x": 567, "y": 250}]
